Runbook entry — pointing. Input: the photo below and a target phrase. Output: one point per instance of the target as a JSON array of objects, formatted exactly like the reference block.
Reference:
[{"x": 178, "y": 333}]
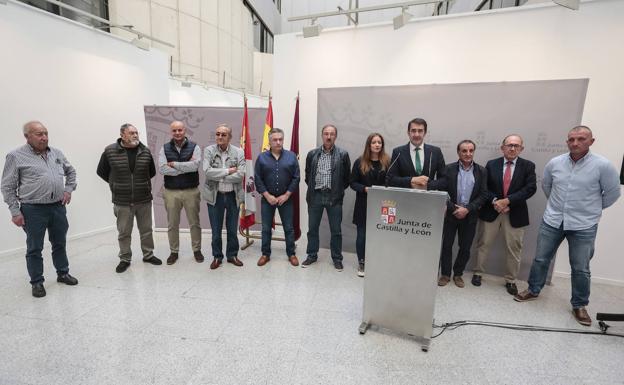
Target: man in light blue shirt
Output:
[{"x": 578, "y": 185}]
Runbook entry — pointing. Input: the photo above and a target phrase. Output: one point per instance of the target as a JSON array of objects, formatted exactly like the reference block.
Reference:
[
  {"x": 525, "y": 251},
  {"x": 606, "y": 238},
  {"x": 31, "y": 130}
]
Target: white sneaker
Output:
[{"x": 360, "y": 271}]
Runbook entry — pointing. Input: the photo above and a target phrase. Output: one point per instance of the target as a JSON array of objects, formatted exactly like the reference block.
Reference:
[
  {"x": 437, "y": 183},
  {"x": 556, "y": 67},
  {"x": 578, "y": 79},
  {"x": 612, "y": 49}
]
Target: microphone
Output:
[{"x": 388, "y": 171}]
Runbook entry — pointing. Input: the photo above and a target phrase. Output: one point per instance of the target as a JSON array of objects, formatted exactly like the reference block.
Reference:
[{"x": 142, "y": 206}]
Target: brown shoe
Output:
[
  {"x": 459, "y": 282},
  {"x": 199, "y": 257},
  {"x": 173, "y": 257},
  {"x": 263, "y": 260},
  {"x": 443, "y": 280},
  {"x": 525, "y": 296},
  {"x": 582, "y": 316},
  {"x": 235, "y": 261},
  {"x": 215, "y": 263},
  {"x": 293, "y": 260}
]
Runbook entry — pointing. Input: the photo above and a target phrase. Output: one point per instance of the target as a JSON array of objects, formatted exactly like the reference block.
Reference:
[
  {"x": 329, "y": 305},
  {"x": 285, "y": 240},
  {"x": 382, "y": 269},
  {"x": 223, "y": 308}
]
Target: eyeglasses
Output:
[
  {"x": 513, "y": 146},
  {"x": 221, "y": 134}
]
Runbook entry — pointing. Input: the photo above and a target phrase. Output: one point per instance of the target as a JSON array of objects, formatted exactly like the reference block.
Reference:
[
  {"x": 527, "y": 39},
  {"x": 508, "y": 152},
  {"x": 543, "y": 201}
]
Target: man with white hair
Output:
[{"x": 37, "y": 183}]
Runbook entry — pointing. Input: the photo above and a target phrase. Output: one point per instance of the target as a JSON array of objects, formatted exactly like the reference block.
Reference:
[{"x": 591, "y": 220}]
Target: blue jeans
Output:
[
  {"x": 38, "y": 218},
  {"x": 322, "y": 200},
  {"x": 581, "y": 250},
  {"x": 286, "y": 214},
  {"x": 360, "y": 243},
  {"x": 225, "y": 204}
]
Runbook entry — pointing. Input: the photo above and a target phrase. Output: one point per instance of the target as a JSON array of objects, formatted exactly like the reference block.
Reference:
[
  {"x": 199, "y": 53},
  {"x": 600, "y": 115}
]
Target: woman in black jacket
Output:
[{"x": 369, "y": 169}]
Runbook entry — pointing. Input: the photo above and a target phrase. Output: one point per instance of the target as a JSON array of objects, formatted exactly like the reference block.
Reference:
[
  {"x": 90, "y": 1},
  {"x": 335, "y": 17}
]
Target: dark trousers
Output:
[
  {"x": 360, "y": 243},
  {"x": 321, "y": 200},
  {"x": 286, "y": 212},
  {"x": 38, "y": 218},
  {"x": 225, "y": 204},
  {"x": 465, "y": 230}
]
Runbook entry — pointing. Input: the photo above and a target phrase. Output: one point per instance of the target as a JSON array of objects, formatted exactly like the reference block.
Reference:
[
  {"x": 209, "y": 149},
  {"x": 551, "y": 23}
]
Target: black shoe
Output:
[
  {"x": 173, "y": 257},
  {"x": 476, "y": 280},
  {"x": 511, "y": 288},
  {"x": 307, "y": 262},
  {"x": 123, "y": 266},
  {"x": 38, "y": 290},
  {"x": 338, "y": 265},
  {"x": 153, "y": 260},
  {"x": 67, "y": 279}
]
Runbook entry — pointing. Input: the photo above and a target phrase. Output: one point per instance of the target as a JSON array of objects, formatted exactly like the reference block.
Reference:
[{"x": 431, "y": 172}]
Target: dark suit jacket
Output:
[
  {"x": 479, "y": 191},
  {"x": 341, "y": 172},
  {"x": 522, "y": 187},
  {"x": 401, "y": 173},
  {"x": 358, "y": 182}
]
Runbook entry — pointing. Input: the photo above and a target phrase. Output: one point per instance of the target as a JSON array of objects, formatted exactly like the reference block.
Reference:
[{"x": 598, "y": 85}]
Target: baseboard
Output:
[
  {"x": 70, "y": 238},
  {"x": 606, "y": 281}
]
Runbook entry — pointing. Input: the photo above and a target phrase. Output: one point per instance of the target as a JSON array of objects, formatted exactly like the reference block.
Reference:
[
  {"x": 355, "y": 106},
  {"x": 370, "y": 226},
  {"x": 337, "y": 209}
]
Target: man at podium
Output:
[{"x": 414, "y": 164}]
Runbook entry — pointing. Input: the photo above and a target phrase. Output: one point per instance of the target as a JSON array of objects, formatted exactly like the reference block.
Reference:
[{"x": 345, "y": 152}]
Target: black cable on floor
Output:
[{"x": 457, "y": 324}]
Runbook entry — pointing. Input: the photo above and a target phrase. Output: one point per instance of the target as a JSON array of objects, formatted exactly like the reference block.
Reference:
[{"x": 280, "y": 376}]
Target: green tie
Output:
[{"x": 417, "y": 164}]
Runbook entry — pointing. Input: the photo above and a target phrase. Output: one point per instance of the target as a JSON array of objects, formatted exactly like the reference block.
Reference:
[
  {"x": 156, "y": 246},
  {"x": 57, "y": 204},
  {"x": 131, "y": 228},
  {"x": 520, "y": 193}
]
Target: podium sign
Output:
[{"x": 403, "y": 241}]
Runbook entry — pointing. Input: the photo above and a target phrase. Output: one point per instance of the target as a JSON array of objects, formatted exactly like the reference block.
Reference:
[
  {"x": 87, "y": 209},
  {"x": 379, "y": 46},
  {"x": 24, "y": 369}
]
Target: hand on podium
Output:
[{"x": 420, "y": 182}]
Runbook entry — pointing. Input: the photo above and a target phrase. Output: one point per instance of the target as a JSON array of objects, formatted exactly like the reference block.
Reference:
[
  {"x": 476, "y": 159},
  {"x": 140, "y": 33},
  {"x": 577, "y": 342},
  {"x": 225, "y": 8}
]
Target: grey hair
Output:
[
  {"x": 124, "y": 127},
  {"x": 226, "y": 126},
  {"x": 27, "y": 125},
  {"x": 275, "y": 130},
  {"x": 329, "y": 125},
  {"x": 581, "y": 128},
  {"x": 510, "y": 135}
]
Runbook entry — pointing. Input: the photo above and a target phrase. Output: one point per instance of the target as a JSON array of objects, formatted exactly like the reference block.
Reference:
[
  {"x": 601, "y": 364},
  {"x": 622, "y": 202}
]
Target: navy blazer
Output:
[
  {"x": 479, "y": 191},
  {"x": 401, "y": 173},
  {"x": 522, "y": 187}
]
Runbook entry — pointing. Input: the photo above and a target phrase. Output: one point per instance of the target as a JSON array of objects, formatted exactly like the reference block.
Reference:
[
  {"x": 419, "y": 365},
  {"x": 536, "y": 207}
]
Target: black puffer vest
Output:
[
  {"x": 182, "y": 181},
  {"x": 127, "y": 187}
]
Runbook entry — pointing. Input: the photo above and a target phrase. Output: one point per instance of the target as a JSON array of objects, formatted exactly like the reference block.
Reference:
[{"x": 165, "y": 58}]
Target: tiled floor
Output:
[{"x": 187, "y": 324}]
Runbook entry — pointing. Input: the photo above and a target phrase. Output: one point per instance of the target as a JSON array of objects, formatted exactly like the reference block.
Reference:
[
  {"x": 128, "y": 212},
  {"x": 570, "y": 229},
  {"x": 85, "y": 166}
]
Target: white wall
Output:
[
  {"x": 197, "y": 95},
  {"x": 82, "y": 84},
  {"x": 526, "y": 43},
  {"x": 211, "y": 37}
]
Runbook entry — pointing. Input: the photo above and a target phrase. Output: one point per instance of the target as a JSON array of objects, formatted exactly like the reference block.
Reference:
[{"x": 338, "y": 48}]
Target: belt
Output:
[{"x": 323, "y": 190}]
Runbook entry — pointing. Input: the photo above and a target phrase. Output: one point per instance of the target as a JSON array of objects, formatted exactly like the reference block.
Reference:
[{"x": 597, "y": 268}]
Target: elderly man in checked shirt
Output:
[{"x": 37, "y": 183}]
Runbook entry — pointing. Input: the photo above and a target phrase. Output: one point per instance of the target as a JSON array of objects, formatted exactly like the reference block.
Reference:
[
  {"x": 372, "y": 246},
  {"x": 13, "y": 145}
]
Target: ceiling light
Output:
[
  {"x": 402, "y": 19},
  {"x": 143, "y": 44},
  {"x": 312, "y": 30}
]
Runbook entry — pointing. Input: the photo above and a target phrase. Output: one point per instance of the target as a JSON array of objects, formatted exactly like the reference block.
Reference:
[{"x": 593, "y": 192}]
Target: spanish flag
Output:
[{"x": 268, "y": 125}]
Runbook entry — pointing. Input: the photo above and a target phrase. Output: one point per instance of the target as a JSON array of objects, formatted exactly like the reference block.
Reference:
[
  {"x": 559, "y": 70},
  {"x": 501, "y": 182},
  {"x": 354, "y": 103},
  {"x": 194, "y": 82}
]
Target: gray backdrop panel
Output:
[
  {"x": 200, "y": 125},
  {"x": 541, "y": 111}
]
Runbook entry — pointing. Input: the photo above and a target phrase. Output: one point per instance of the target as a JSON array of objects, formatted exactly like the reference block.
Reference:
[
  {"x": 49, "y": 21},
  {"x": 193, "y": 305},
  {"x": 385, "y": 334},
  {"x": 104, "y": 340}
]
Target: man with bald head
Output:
[
  {"x": 511, "y": 182},
  {"x": 128, "y": 167},
  {"x": 37, "y": 183},
  {"x": 179, "y": 161},
  {"x": 579, "y": 185}
]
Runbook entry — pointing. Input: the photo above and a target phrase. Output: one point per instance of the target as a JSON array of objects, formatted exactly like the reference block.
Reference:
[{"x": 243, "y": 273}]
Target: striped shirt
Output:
[
  {"x": 323, "y": 170},
  {"x": 29, "y": 177}
]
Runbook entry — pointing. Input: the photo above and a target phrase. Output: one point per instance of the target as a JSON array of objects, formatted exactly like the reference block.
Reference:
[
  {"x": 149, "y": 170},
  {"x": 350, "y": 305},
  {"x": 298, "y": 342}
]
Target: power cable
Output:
[{"x": 454, "y": 325}]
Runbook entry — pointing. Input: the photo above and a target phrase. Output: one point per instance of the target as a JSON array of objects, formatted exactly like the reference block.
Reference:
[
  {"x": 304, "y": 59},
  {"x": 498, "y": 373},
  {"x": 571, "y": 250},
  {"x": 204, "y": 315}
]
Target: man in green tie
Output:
[{"x": 416, "y": 164}]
